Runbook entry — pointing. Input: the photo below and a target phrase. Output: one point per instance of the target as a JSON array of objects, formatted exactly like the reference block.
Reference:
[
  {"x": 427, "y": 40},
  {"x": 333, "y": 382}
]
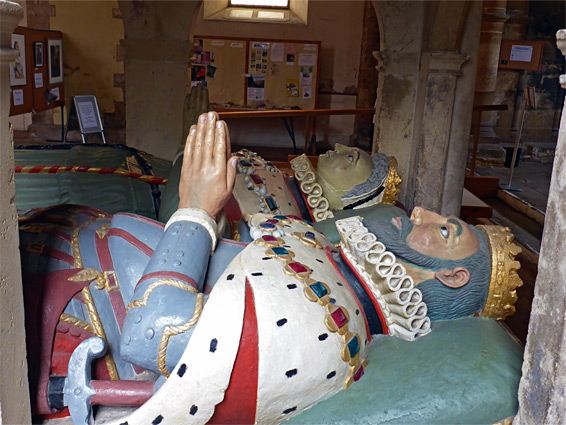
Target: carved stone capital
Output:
[
  {"x": 10, "y": 15},
  {"x": 396, "y": 62},
  {"x": 446, "y": 62}
]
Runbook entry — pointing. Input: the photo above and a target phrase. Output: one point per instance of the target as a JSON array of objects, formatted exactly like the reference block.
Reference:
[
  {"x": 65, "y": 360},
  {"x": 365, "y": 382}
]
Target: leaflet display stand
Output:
[{"x": 85, "y": 116}]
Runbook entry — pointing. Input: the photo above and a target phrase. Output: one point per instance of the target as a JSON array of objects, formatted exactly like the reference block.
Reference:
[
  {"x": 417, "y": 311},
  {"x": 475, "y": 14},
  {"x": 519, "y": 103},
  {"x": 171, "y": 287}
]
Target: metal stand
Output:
[{"x": 509, "y": 186}]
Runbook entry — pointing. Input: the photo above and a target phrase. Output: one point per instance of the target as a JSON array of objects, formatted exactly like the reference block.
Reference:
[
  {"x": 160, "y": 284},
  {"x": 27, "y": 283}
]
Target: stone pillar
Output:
[
  {"x": 398, "y": 118},
  {"x": 493, "y": 21},
  {"x": 156, "y": 50},
  {"x": 542, "y": 391},
  {"x": 443, "y": 69},
  {"x": 14, "y": 393}
]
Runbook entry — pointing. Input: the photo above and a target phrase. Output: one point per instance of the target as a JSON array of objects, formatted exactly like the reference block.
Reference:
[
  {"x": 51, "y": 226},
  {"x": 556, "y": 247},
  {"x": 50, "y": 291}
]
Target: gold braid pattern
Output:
[
  {"x": 91, "y": 307},
  {"x": 72, "y": 320},
  {"x": 168, "y": 282},
  {"x": 391, "y": 193},
  {"x": 170, "y": 331}
]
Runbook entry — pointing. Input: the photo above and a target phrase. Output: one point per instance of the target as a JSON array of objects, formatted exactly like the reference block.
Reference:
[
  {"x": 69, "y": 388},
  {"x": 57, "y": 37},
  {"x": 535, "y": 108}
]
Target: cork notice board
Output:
[
  {"x": 254, "y": 72},
  {"x": 519, "y": 54}
]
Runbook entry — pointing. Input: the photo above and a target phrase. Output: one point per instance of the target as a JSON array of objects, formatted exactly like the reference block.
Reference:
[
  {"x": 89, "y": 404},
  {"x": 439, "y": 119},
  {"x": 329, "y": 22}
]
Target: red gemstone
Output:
[
  {"x": 293, "y": 217},
  {"x": 272, "y": 221},
  {"x": 269, "y": 238},
  {"x": 339, "y": 317},
  {"x": 256, "y": 179},
  {"x": 298, "y": 267},
  {"x": 359, "y": 373}
]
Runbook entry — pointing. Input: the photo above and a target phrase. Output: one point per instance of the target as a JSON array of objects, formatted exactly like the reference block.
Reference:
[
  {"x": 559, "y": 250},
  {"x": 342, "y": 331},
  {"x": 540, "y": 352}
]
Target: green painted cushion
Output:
[{"x": 465, "y": 371}]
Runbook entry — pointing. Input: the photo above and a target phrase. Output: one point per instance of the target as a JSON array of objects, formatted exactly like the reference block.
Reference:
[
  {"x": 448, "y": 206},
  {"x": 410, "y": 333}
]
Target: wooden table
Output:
[{"x": 309, "y": 114}]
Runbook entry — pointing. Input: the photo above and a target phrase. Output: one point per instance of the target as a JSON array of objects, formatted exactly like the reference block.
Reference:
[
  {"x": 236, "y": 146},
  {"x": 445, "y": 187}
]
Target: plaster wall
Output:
[
  {"x": 338, "y": 25},
  {"x": 90, "y": 40}
]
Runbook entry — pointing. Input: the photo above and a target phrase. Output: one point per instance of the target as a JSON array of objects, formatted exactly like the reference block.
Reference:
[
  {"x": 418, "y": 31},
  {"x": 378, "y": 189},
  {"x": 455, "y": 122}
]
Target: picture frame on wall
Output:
[
  {"x": 18, "y": 67},
  {"x": 38, "y": 54},
  {"x": 55, "y": 60}
]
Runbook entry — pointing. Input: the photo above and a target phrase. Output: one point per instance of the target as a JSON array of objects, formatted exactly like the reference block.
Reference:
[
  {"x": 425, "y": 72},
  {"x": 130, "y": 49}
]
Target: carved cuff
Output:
[{"x": 198, "y": 216}]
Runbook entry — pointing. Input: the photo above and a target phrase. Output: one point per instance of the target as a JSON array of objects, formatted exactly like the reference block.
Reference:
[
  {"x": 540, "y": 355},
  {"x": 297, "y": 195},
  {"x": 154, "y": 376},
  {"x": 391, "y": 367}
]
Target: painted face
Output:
[
  {"x": 446, "y": 238},
  {"x": 344, "y": 167}
]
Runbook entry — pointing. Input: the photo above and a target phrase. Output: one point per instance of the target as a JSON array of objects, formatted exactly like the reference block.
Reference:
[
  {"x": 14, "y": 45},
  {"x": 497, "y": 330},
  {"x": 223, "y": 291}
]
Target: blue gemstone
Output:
[
  {"x": 245, "y": 163},
  {"x": 354, "y": 346},
  {"x": 267, "y": 226},
  {"x": 309, "y": 235},
  {"x": 280, "y": 217},
  {"x": 280, "y": 251},
  {"x": 270, "y": 202},
  {"x": 319, "y": 289}
]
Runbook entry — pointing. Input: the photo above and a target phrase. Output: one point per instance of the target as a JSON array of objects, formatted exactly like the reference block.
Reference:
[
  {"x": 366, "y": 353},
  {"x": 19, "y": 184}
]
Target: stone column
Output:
[
  {"x": 542, "y": 391},
  {"x": 157, "y": 55},
  {"x": 443, "y": 69},
  {"x": 493, "y": 21},
  {"x": 14, "y": 393}
]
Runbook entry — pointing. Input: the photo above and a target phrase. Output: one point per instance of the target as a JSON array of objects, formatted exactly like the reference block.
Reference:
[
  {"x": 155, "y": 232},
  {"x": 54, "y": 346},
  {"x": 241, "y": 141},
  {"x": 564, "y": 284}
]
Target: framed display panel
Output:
[
  {"x": 518, "y": 54},
  {"x": 55, "y": 60},
  {"x": 258, "y": 72},
  {"x": 38, "y": 54},
  {"x": 45, "y": 95},
  {"x": 21, "y": 94}
]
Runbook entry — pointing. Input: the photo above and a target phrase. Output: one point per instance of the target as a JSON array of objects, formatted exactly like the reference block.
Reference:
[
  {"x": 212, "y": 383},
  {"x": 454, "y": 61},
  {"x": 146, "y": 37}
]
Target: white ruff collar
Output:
[
  {"x": 402, "y": 305},
  {"x": 305, "y": 175}
]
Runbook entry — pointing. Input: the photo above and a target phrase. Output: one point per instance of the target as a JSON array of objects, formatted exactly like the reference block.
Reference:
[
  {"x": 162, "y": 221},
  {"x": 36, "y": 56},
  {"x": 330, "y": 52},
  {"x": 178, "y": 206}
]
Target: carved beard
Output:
[
  {"x": 442, "y": 302},
  {"x": 395, "y": 240}
]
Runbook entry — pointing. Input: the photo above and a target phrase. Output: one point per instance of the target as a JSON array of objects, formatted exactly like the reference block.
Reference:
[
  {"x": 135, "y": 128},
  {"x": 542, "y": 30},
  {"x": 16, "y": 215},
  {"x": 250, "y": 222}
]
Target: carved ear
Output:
[{"x": 455, "y": 278}]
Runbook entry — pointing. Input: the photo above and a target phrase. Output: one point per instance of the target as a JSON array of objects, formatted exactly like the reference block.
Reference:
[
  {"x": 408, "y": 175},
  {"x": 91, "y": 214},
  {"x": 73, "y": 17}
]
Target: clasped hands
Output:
[{"x": 208, "y": 172}]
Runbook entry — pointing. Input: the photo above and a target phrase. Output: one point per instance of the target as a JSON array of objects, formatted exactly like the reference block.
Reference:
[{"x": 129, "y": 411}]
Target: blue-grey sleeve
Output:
[{"x": 168, "y": 294}]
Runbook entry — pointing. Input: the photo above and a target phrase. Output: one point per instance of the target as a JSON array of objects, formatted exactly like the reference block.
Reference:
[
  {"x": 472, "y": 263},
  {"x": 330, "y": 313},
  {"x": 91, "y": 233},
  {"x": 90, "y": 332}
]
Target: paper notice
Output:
[
  {"x": 310, "y": 47},
  {"x": 307, "y": 59},
  {"x": 87, "y": 115},
  {"x": 55, "y": 92},
  {"x": 307, "y": 92},
  {"x": 237, "y": 45},
  {"x": 306, "y": 75},
  {"x": 260, "y": 45},
  {"x": 38, "y": 80},
  {"x": 292, "y": 88},
  {"x": 256, "y": 89},
  {"x": 18, "y": 97},
  {"x": 521, "y": 53},
  {"x": 218, "y": 42},
  {"x": 277, "y": 52}
]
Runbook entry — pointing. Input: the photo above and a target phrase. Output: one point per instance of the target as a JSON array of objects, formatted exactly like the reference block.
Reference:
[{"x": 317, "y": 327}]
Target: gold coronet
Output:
[
  {"x": 504, "y": 278},
  {"x": 391, "y": 193}
]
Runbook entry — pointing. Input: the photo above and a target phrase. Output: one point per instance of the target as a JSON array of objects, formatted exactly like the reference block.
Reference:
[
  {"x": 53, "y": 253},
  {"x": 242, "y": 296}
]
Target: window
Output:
[{"x": 260, "y": 3}]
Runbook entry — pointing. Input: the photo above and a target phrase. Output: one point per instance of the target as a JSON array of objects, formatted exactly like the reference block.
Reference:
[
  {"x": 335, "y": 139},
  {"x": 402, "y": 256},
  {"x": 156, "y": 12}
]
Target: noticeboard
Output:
[{"x": 258, "y": 72}]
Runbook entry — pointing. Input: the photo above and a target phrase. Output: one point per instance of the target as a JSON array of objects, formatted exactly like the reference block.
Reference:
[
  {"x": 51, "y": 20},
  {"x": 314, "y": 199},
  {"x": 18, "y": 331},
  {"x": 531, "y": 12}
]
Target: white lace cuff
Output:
[{"x": 198, "y": 216}]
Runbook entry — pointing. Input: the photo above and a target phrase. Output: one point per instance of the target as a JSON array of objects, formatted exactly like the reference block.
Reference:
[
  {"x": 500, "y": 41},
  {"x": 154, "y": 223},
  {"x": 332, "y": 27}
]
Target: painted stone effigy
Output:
[{"x": 239, "y": 333}]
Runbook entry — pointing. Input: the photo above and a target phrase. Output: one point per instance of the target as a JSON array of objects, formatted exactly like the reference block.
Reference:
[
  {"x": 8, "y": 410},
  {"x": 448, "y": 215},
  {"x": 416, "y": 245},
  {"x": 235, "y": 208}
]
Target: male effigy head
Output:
[{"x": 460, "y": 269}]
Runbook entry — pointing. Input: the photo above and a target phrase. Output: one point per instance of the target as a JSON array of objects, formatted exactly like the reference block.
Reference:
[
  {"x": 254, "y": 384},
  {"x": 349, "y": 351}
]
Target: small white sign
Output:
[
  {"x": 310, "y": 47},
  {"x": 38, "y": 80},
  {"x": 277, "y": 52},
  {"x": 521, "y": 53},
  {"x": 88, "y": 115},
  {"x": 218, "y": 42},
  {"x": 237, "y": 45},
  {"x": 18, "y": 97},
  {"x": 260, "y": 45},
  {"x": 307, "y": 59}
]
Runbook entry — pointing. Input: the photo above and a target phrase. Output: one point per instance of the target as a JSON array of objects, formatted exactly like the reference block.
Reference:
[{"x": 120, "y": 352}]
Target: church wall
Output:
[
  {"x": 339, "y": 29},
  {"x": 90, "y": 39}
]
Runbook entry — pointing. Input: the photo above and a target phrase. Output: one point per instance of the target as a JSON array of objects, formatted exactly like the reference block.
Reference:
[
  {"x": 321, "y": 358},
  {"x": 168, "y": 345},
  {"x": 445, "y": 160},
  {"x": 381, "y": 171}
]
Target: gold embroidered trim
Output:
[
  {"x": 97, "y": 324},
  {"x": 103, "y": 281},
  {"x": 391, "y": 193},
  {"x": 170, "y": 331},
  {"x": 75, "y": 240},
  {"x": 103, "y": 230},
  {"x": 71, "y": 320},
  {"x": 169, "y": 282}
]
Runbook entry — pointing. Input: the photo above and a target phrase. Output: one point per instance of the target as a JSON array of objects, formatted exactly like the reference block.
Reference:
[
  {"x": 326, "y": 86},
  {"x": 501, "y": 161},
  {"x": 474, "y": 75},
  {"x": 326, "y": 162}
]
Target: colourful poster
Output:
[
  {"x": 292, "y": 88},
  {"x": 306, "y": 75}
]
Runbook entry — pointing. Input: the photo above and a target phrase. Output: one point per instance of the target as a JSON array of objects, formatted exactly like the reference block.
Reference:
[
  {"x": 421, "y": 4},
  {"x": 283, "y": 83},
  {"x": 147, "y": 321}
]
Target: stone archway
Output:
[{"x": 427, "y": 66}]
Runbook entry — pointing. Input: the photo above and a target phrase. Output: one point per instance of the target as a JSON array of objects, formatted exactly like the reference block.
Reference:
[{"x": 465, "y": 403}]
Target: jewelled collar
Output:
[{"x": 401, "y": 303}]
